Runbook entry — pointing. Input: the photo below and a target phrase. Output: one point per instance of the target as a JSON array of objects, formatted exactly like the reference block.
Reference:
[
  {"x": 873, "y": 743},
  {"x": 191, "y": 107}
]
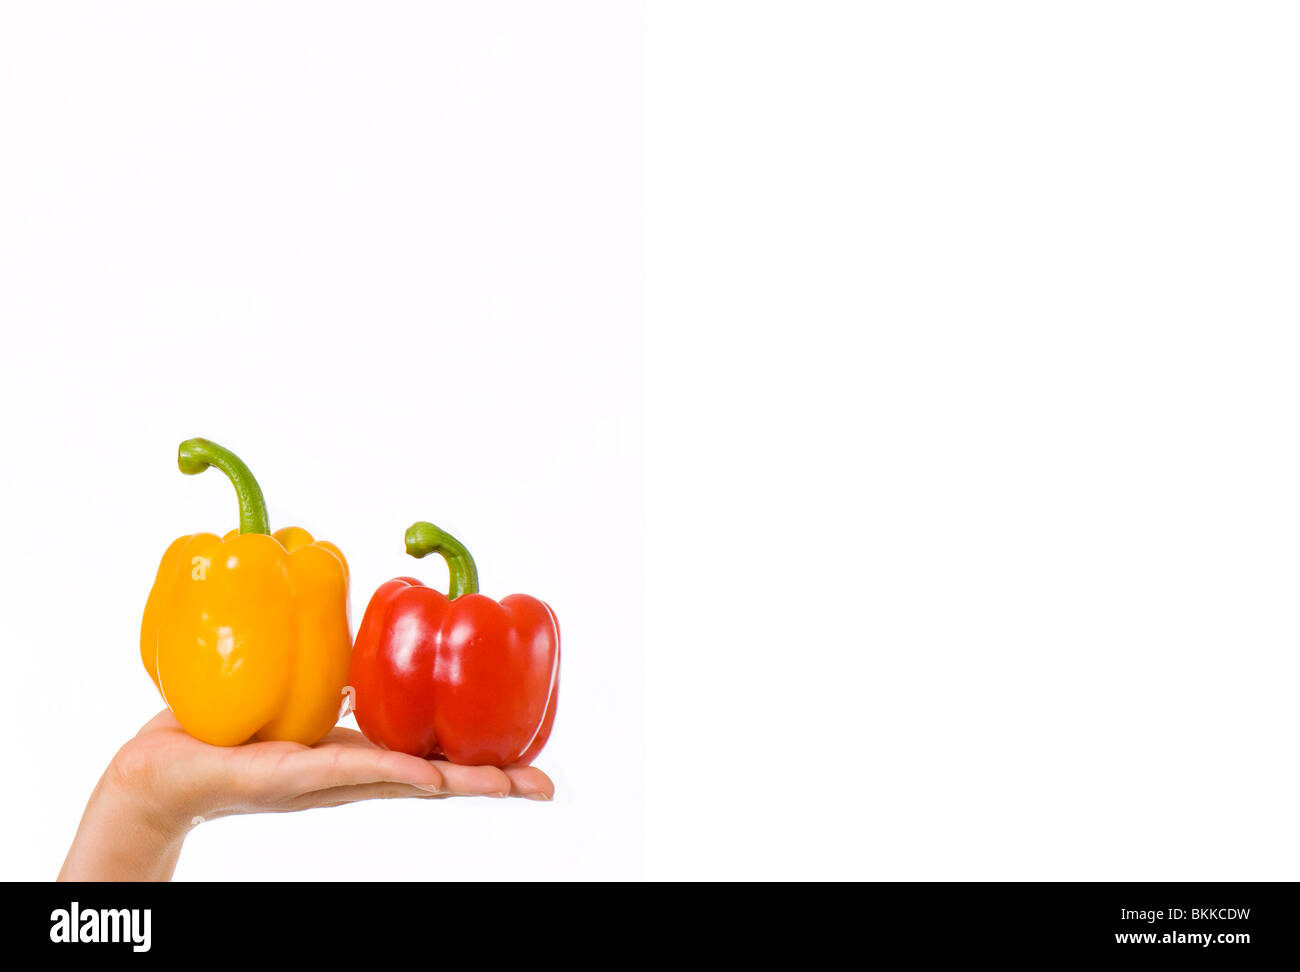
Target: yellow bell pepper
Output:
[{"x": 247, "y": 635}]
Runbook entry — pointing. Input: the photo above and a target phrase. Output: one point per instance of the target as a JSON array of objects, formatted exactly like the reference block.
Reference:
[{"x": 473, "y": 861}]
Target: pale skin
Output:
[{"x": 163, "y": 780}]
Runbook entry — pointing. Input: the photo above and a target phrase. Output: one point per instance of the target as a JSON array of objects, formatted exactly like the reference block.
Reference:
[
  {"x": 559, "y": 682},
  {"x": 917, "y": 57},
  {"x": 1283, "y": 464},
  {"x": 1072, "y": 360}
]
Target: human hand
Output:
[{"x": 164, "y": 781}]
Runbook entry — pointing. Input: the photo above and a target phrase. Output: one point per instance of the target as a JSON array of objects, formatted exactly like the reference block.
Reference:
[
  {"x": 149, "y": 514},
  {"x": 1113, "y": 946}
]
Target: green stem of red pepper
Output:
[
  {"x": 197, "y": 455},
  {"x": 424, "y": 538}
]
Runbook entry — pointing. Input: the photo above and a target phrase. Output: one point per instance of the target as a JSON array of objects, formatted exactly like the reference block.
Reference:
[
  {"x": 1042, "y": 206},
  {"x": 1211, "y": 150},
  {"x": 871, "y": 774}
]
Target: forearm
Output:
[{"x": 119, "y": 839}]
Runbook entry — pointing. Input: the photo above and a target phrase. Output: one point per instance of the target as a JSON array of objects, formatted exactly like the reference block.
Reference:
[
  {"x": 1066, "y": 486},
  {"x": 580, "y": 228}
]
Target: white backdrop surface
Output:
[
  {"x": 961, "y": 411},
  {"x": 973, "y": 335},
  {"x": 390, "y": 256}
]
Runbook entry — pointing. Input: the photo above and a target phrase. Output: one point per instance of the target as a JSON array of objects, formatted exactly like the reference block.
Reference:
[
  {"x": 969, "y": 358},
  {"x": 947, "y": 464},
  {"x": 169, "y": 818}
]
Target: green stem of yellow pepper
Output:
[
  {"x": 424, "y": 538},
  {"x": 197, "y": 455}
]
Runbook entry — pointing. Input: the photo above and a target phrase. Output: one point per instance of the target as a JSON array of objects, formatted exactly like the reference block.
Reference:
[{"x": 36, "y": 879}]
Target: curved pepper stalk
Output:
[
  {"x": 196, "y": 455},
  {"x": 423, "y": 538}
]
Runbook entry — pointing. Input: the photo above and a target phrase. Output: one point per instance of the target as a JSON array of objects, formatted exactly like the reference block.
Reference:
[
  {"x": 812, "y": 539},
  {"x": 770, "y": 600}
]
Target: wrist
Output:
[
  {"x": 130, "y": 798},
  {"x": 123, "y": 835}
]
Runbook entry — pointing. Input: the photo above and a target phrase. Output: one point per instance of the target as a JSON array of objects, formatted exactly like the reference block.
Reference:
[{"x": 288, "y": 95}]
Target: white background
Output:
[
  {"x": 969, "y": 341},
  {"x": 390, "y": 255},
  {"x": 973, "y": 335}
]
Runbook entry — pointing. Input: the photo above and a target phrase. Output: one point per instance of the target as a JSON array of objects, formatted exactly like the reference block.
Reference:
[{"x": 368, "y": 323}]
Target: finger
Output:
[
  {"x": 525, "y": 781},
  {"x": 343, "y": 765},
  {"x": 530, "y": 783},
  {"x": 337, "y": 796},
  {"x": 460, "y": 780}
]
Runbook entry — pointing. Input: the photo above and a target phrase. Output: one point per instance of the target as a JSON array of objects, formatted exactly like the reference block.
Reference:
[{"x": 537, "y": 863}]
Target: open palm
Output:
[
  {"x": 164, "y": 781},
  {"x": 187, "y": 777}
]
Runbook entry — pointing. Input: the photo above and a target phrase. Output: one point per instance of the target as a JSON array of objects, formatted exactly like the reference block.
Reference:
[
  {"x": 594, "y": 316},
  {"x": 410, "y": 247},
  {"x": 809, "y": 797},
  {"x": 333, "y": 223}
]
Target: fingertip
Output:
[
  {"x": 529, "y": 783},
  {"x": 418, "y": 773},
  {"x": 434, "y": 785}
]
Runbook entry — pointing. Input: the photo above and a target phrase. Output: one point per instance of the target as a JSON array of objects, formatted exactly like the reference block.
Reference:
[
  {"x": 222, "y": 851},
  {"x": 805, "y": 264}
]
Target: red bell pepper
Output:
[{"x": 459, "y": 676}]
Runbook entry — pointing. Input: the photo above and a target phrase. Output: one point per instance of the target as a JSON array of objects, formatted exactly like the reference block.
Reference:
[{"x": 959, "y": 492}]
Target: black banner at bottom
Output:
[{"x": 518, "y": 923}]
